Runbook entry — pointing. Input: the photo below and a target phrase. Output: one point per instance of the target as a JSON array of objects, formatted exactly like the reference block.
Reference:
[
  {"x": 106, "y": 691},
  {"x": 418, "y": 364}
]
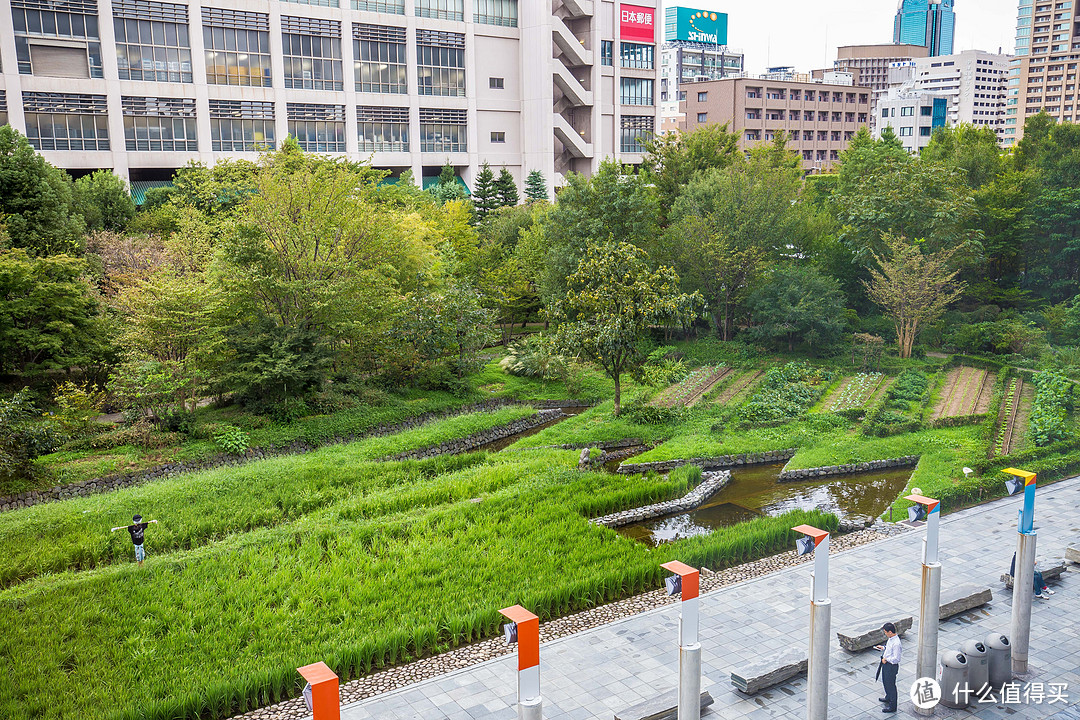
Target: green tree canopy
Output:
[
  {"x": 104, "y": 200},
  {"x": 507, "y": 189},
  {"x": 485, "y": 195},
  {"x": 535, "y": 186},
  {"x": 673, "y": 159},
  {"x": 797, "y": 304}
]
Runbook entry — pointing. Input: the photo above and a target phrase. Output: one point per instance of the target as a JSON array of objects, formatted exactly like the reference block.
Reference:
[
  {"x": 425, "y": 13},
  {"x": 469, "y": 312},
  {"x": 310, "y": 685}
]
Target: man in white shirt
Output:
[{"x": 890, "y": 665}]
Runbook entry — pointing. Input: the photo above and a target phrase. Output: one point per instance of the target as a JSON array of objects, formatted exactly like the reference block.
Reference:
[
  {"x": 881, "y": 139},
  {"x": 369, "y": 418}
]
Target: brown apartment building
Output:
[
  {"x": 820, "y": 119},
  {"x": 869, "y": 64}
]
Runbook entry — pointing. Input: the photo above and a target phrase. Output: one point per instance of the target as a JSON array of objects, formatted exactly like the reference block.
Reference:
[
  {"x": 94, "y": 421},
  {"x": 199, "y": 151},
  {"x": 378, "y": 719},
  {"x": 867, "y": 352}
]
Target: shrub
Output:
[
  {"x": 785, "y": 393},
  {"x": 638, "y": 412},
  {"x": 232, "y": 440},
  {"x": 77, "y": 406},
  {"x": 1053, "y": 399},
  {"x": 21, "y": 440},
  {"x": 533, "y": 356}
]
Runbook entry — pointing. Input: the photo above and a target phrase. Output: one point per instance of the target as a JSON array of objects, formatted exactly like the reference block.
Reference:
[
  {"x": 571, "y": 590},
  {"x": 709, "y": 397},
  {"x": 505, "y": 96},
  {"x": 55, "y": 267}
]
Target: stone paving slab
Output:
[{"x": 592, "y": 674}]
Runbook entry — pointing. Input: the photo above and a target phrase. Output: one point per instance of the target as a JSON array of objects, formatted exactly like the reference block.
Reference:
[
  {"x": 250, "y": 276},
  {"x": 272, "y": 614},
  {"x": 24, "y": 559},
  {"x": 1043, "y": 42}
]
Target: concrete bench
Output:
[
  {"x": 961, "y": 598},
  {"x": 662, "y": 707},
  {"x": 1052, "y": 571},
  {"x": 755, "y": 677},
  {"x": 853, "y": 640},
  {"x": 1072, "y": 554}
]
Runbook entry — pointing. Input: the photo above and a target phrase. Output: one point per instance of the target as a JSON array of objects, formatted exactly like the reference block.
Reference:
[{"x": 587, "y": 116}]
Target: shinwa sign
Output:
[{"x": 703, "y": 26}]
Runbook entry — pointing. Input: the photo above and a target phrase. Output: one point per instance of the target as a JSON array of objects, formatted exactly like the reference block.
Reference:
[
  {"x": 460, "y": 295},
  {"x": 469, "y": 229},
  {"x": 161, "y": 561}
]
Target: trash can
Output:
[
  {"x": 999, "y": 659},
  {"x": 953, "y": 678},
  {"x": 978, "y": 667}
]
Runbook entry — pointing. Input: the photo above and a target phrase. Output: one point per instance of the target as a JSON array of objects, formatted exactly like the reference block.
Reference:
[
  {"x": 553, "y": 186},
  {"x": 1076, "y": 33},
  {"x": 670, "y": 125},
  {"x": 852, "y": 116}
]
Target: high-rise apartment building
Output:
[
  {"x": 144, "y": 86},
  {"x": 930, "y": 23},
  {"x": 965, "y": 88},
  {"x": 1043, "y": 76},
  {"x": 819, "y": 119}
]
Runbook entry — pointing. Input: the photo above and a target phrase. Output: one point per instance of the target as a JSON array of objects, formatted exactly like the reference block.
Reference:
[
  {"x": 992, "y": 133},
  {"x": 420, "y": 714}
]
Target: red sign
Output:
[{"x": 637, "y": 23}]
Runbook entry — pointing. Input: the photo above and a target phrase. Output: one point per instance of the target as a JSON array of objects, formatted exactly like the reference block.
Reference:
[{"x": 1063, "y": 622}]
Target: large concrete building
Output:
[
  {"x": 965, "y": 88},
  {"x": 1043, "y": 75},
  {"x": 930, "y": 23},
  {"x": 143, "y": 86},
  {"x": 869, "y": 64},
  {"x": 819, "y": 119}
]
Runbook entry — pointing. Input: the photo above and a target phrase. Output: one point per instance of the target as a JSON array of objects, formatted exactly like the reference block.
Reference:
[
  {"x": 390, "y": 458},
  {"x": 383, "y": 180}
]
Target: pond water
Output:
[
  {"x": 754, "y": 491},
  {"x": 503, "y": 443}
]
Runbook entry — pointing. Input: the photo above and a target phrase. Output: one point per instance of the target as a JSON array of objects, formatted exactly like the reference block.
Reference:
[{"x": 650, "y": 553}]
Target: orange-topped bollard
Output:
[
  {"x": 524, "y": 629},
  {"x": 686, "y": 582},
  {"x": 324, "y": 702}
]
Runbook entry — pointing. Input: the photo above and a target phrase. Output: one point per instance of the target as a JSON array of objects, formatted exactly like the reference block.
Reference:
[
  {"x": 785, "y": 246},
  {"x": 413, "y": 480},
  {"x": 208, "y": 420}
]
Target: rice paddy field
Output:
[{"x": 337, "y": 555}]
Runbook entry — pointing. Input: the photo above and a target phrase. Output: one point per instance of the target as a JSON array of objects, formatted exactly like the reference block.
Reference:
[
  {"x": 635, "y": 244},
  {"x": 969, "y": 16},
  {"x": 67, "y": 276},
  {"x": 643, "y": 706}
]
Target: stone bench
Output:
[
  {"x": 854, "y": 640},
  {"x": 662, "y": 707},
  {"x": 961, "y": 598},
  {"x": 1072, "y": 554},
  {"x": 755, "y": 677},
  {"x": 1052, "y": 571}
]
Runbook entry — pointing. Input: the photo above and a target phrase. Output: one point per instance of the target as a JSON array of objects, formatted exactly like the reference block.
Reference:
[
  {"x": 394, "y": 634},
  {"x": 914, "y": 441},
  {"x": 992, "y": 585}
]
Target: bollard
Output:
[
  {"x": 817, "y": 674},
  {"x": 930, "y": 598},
  {"x": 688, "y": 585},
  {"x": 1024, "y": 578},
  {"x": 325, "y": 702},
  {"x": 524, "y": 629}
]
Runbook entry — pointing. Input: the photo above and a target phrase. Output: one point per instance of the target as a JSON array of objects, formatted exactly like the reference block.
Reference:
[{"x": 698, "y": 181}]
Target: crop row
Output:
[
  {"x": 219, "y": 629},
  {"x": 857, "y": 391},
  {"x": 785, "y": 393},
  {"x": 693, "y": 384},
  {"x": 1007, "y": 418},
  {"x": 1053, "y": 401}
]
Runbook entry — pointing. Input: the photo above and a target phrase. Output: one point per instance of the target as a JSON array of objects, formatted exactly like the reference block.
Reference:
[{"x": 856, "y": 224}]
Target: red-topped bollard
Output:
[
  {"x": 323, "y": 700},
  {"x": 686, "y": 582},
  {"x": 524, "y": 629}
]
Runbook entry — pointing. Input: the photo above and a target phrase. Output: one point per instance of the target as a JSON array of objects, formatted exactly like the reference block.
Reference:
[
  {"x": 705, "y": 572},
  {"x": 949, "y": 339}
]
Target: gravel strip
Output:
[{"x": 403, "y": 675}]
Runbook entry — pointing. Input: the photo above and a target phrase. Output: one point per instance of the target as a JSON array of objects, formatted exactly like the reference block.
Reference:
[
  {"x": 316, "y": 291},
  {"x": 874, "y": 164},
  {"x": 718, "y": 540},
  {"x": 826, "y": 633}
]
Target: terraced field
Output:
[
  {"x": 1012, "y": 427},
  {"x": 740, "y": 388},
  {"x": 695, "y": 386},
  {"x": 966, "y": 392},
  {"x": 856, "y": 391}
]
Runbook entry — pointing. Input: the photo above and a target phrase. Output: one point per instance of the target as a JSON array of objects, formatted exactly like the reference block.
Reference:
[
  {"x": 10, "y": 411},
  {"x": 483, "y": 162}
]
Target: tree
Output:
[
  {"x": 22, "y": 438},
  {"x": 49, "y": 317},
  {"x": 485, "y": 195},
  {"x": 912, "y": 287},
  {"x": 797, "y": 304},
  {"x": 104, "y": 200},
  {"x": 969, "y": 149},
  {"x": 536, "y": 187},
  {"x": 507, "y": 189},
  {"x": 612, "y": 301},
  {"x": 37, "y": 200},
  {"x": 671, "y": 160}
]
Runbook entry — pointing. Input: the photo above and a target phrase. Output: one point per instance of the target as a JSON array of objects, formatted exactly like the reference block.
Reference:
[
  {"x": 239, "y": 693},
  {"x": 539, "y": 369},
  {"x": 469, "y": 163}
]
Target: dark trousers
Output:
[{"x": 888, "y": 679}]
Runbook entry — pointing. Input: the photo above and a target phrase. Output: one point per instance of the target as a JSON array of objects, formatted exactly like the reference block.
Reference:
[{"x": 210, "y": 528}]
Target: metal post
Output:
[
  {"x": 930, "y": 598},
  {"x": 817, "y": 685},
  {"x": 1024, "y": 577},
  {"x": 530, "y": 705},
  {"x": 689, "y": 647}
]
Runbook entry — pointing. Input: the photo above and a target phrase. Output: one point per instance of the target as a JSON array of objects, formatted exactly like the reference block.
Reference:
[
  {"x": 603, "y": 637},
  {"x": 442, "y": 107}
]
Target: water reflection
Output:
[{"x": 754, "y": 491}]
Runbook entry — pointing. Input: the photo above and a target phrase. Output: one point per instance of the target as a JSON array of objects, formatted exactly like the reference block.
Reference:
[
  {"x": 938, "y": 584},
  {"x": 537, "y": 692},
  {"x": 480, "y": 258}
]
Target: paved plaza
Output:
[{"x": 592, "y": 674}]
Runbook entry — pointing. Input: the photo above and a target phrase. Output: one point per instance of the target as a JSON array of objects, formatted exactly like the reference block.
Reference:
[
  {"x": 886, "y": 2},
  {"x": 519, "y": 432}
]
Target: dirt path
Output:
[
  {"x": 707, "y": 388},
  {"x": 738, "y": 386}
]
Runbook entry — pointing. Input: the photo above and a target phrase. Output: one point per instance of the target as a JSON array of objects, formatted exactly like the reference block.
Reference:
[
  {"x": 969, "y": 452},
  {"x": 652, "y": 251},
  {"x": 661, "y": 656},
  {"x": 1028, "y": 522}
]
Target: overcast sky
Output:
[{"x": 806, "y": 33}]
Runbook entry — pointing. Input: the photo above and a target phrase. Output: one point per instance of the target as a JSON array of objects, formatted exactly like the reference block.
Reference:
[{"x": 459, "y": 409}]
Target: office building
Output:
[
  {"x": 869, "y": 64},
  {"x": 819, "y": 119},
  {"x": 695, "y": 49},
  {"x": 145, "y": 86},
  {"x": 1043, "y": 75},
  {"x": 930, "y": 23}
]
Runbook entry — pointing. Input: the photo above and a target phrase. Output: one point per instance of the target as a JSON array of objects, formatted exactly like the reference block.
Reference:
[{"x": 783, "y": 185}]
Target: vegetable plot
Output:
[
  {"x": 855, "y": 392},
  {"x": 688, "y": 392},
  {"x": 1006, "y": 440},
  {"x": 967, "y": 392}
]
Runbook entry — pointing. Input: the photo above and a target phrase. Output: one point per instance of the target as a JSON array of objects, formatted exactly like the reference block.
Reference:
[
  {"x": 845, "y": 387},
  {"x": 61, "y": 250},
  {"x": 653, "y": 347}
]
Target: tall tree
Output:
[
  {"x": 104, "y": 200},
  {"x": 612, "y": 301},
  {"x": 673, "y": 159},
  {"x": 485, "y": 195},
  {"x": 912, "y": 287},
  {"x": 535, "y": 186},
  {"x": 797, "y": 304},
  {"x": 507, "y": 189},
  {"x": 37, "y": 200}
]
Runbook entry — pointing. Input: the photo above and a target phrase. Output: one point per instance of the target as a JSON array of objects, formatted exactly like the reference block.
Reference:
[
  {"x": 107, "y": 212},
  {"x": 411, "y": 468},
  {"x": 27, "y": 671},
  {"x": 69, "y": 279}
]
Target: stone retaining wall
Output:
[
  {"x": 706, "y": 463},
  {"x": 710, "y": 483},
  {"x": 609, "y": 445},
  {"x": 849, "y": 469},
  {"x": 138, "y": 477},
  {"x": 477, "y": 440}
]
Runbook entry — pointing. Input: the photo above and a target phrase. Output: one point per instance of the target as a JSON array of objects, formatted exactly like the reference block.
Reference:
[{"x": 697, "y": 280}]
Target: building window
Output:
[
  {"x": 636, "y": 91},
  {"x": 383, "y": 129},
  {"x": 443, "y": 130},
  {"x": 312, "y": 53},
  {"x": 323, "y": 3},
  {"x": 906, "y": 132},
  {"x": 607, "y": 50},
  {"x": 907, "y": 111},
  {"x": 498, "y": 136},
  {"x": 926, "y": 111},
  {"x": 152, "y": 41},
  {"x": 807, "y": 135},
  {"x": 495, "y": 83},
  {"x": 395, "y": 7},
  {"x": 636, "y": 55},
  {"x": 237, "y": 47},
  {"x": 241, "y": 125},
  {"x": 380, "y": 65},
  {"x": 703, "y": 117},
  {"x": 57, "y": 39},
  {"x": 3, "y": 107},
  {"x": 159, "y": 124},
  {"x": 635, "y": 130},
  {"x": 317, "y": 128},
  {"x": 440, "y": 62},
  {"x": 441, "y": 9},
  {"x": 702, "y": 96},
  {"x": 924, "y": 132},
  {"x": 496, "y": 12},
  {"x": 59, "y": 121}
]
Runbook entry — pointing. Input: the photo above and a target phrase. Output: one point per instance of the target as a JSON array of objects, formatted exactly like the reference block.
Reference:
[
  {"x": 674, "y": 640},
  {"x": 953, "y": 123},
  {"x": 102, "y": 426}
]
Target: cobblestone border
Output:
[
  {"x": 478, "y": 440},
  {"x": 426, "y": 668},
  {"x": 710, "y": 483},
  {"x": 706, "y": 463},
  {"x": 849, "y": 469},
  {"x": 298, "y": 447}
]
